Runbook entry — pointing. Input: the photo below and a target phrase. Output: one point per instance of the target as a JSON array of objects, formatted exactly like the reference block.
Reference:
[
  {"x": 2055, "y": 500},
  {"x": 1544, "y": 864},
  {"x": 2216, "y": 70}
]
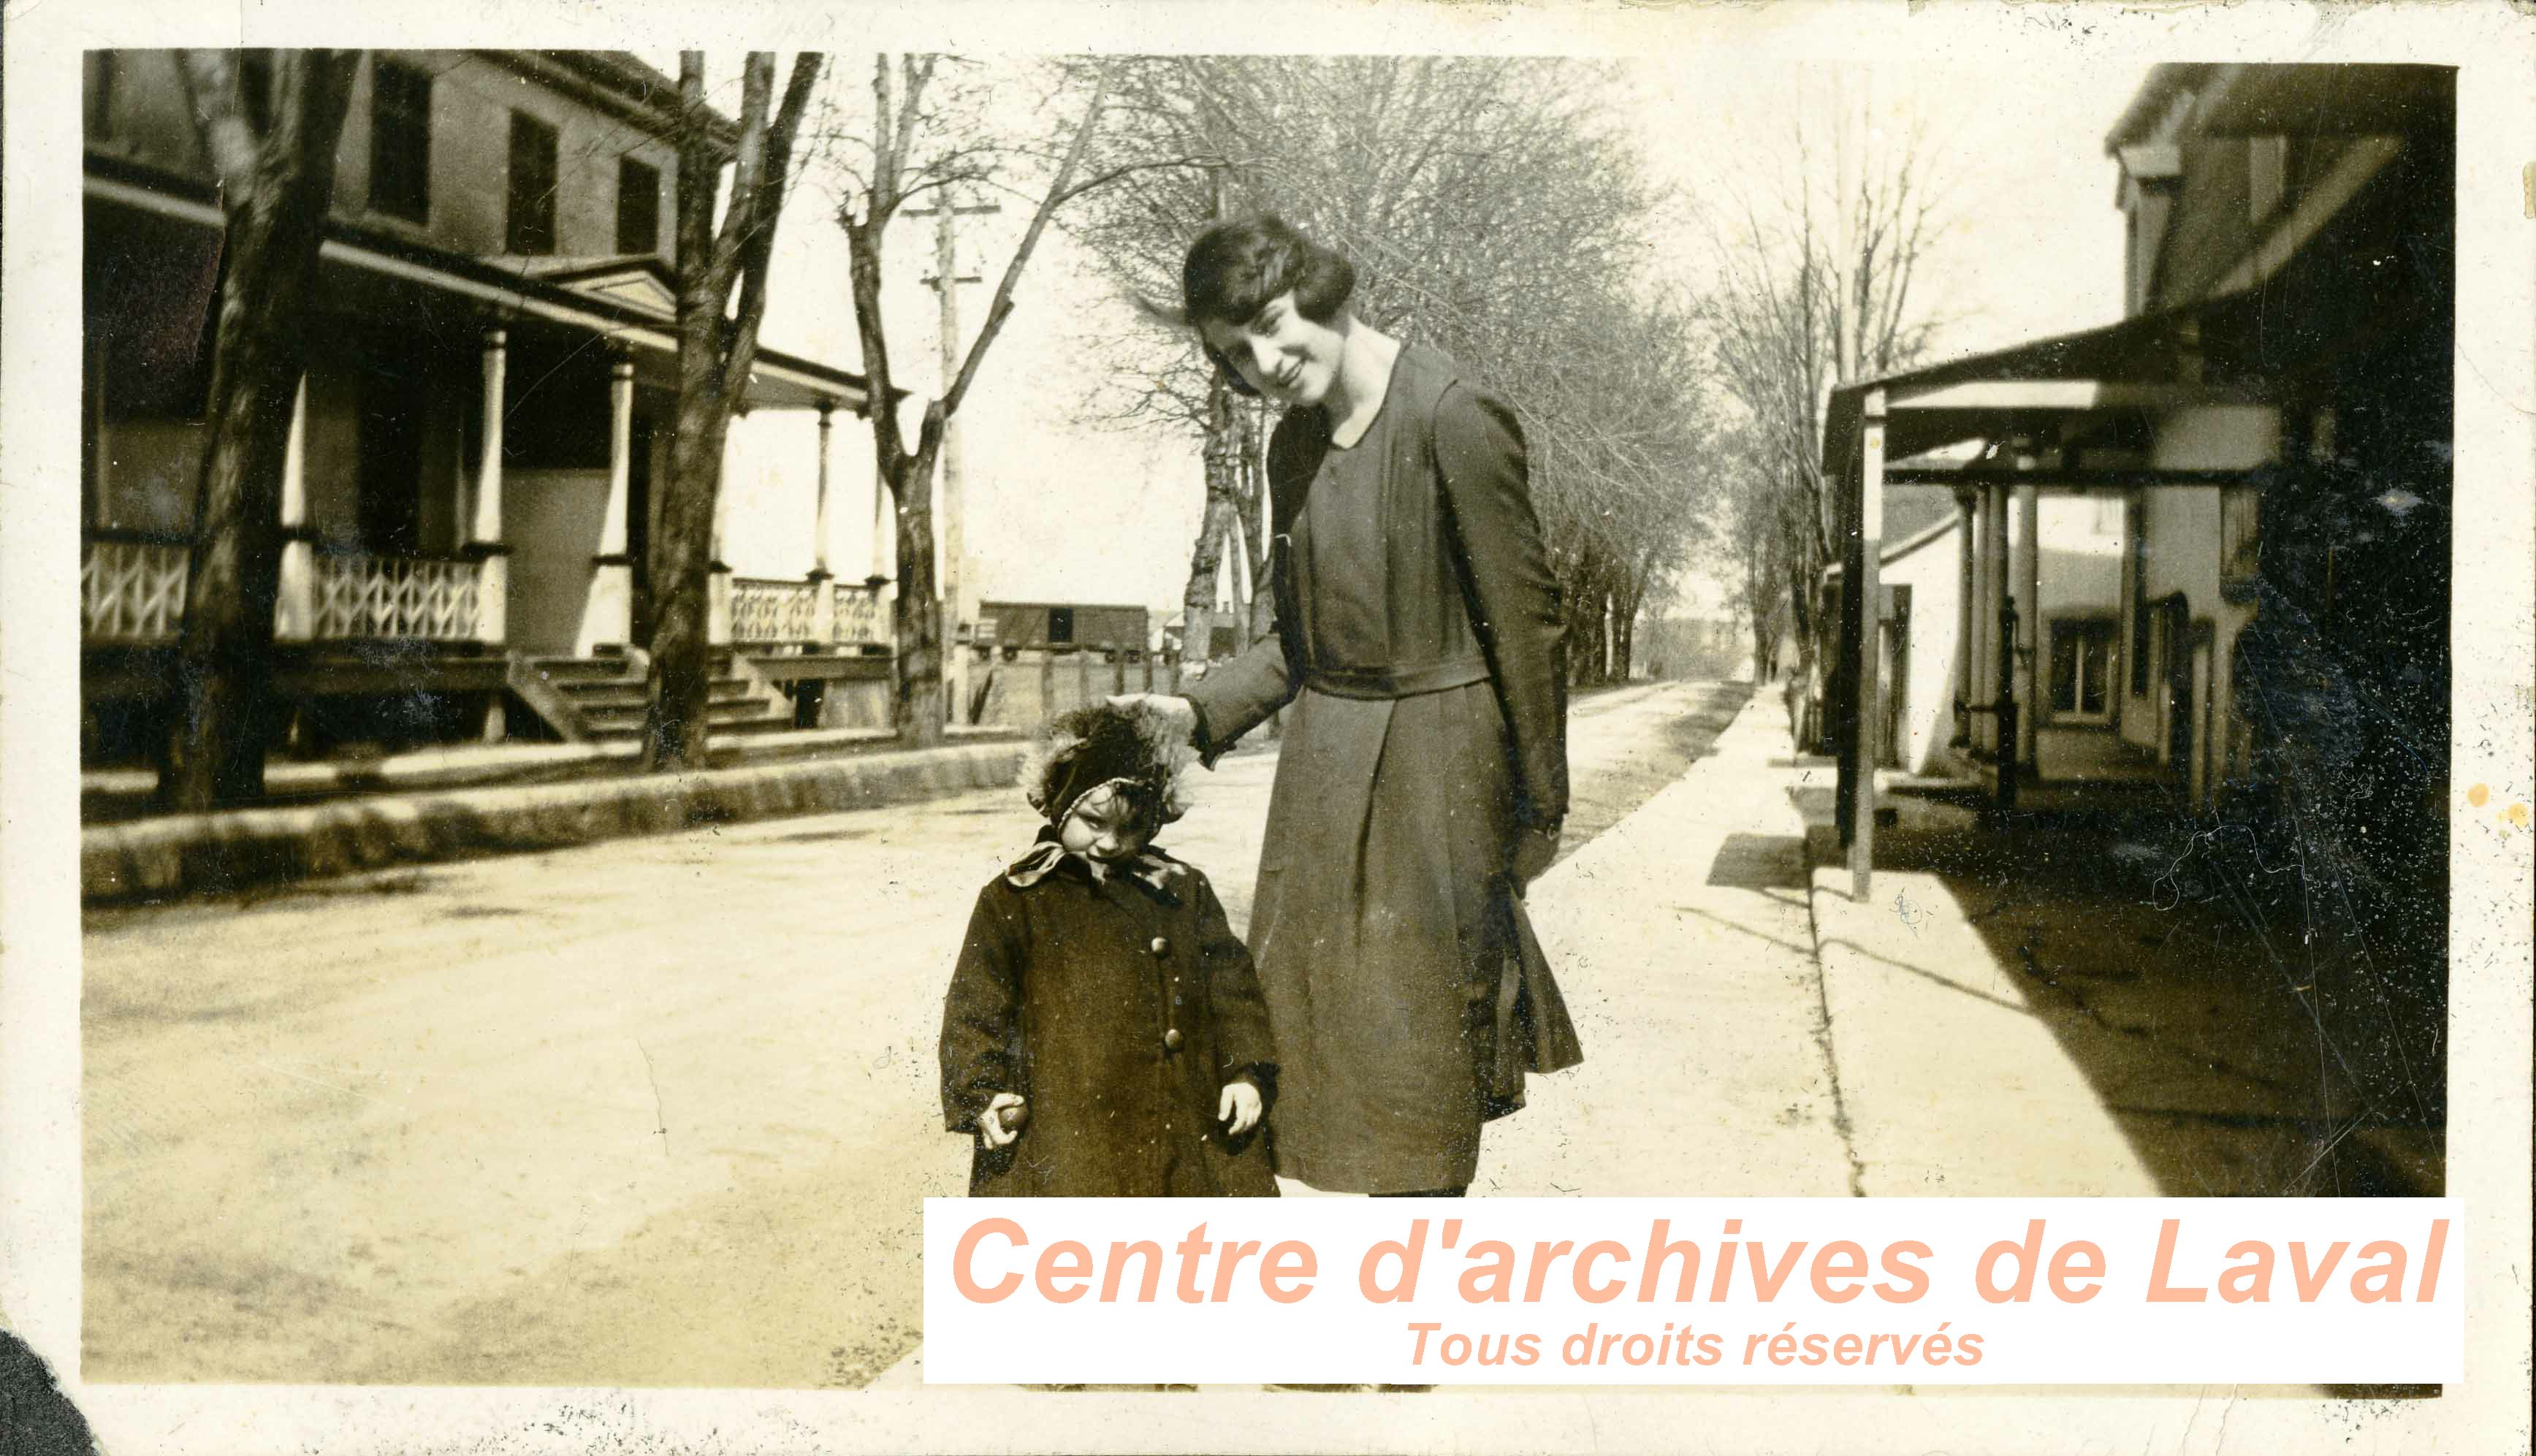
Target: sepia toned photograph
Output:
[{"x": 679, "y": 650}]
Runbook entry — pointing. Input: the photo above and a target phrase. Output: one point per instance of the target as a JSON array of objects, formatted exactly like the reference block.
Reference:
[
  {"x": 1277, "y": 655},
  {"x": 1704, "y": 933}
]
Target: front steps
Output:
[{"x": 603, "y": 699}]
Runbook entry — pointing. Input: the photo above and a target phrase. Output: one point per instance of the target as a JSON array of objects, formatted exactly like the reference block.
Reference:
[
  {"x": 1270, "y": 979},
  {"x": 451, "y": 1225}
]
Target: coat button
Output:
[
  {"x": 1162, "y": 945},
  {"x": 1172, "y": 1040}
]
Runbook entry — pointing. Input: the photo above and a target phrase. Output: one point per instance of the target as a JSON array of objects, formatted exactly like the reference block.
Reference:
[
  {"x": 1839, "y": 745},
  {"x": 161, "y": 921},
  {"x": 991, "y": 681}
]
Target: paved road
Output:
[{"x": 656, "y": 1111}]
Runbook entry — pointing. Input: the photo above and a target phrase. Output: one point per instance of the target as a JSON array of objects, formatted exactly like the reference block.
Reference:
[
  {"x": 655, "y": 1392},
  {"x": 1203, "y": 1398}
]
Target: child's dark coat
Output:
[{"x": 1119, "y": 1011}]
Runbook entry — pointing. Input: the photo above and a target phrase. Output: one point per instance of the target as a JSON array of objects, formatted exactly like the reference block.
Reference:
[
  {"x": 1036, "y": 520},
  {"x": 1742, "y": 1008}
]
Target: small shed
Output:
[{"x": 1028, "y": 624}]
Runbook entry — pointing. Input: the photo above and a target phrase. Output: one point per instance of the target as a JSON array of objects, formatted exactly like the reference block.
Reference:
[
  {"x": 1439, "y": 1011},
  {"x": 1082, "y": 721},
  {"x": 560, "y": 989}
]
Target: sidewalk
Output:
[
  {"x": 241, "y": 850},
  {"x": 1682, "y": 940},
  {"x": 2034, "y": 1012},
  {"x": 120, "y": 794}
]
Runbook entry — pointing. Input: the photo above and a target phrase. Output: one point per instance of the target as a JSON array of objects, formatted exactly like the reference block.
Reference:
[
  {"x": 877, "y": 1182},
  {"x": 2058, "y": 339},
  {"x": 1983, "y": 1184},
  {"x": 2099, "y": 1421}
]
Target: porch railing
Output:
[
  {"x": 771, "y": 611},
  {"x": 429, "y": 598},
  {"x": 132, "y": 585},
  {"x": 861, "y": 621}
]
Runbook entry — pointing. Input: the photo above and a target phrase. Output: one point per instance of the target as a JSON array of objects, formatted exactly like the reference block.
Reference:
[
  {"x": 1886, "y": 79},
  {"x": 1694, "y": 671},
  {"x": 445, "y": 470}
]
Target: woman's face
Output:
[{"x": 1279, "y": 353}]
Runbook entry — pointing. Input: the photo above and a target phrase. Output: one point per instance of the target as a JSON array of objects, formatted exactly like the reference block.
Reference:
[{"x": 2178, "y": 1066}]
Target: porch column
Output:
[
  {"x": 718, "y": 578},
  {"x": 295, "y": 614},
  {"x": 608, "y": 617},
  {"x": 819, "y": 520},
  {"x": 1967, "y": 611},
  {"x": 2031, "y": 650},
  {"x": 881, "y": 563},
  {"x": 484, "y": 532},
  {"x": 823, "y": 597},
  {"x": 1995, "y": 682},
  {"x": 1868, "y": 717}
]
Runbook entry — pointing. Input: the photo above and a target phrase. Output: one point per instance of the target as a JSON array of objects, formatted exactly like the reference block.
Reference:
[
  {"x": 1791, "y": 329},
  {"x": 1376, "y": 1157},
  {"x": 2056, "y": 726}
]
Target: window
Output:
[
  {"x": 2082, "y": 676},
  {"x": 532, "y": 187},
  {"x": 638, "y": 207},
  {"x": 400, "y": 142},
  {"x": 2267, "y": 165},
  {"x": 1061, "y": 624}
]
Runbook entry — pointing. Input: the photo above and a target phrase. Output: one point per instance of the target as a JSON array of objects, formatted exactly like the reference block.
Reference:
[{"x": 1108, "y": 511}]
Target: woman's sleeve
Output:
[
  {"x": 1240, "y": 695},
  {"x": 981, "y": 1016},
  {"x": 1233, "y": 994},
  {"x": 1514, "y": 600}
]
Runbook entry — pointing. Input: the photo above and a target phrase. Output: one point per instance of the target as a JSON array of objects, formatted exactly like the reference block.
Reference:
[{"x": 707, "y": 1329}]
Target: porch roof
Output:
[
  {"x": 589, "y": 295},
  {"x": 2121, "y": 370}
]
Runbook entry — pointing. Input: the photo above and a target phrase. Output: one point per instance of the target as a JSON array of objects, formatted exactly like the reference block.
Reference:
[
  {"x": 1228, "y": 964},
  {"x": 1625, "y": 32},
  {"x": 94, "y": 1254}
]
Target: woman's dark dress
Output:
[
  {"x": 1117, "y": 1009},
  {"x": 1416, "y": 639}
]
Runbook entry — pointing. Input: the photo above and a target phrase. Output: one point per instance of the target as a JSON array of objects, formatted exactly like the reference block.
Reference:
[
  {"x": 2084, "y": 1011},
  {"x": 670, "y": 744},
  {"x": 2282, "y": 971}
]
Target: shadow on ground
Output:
[{"x": 2247, "y": 1043}]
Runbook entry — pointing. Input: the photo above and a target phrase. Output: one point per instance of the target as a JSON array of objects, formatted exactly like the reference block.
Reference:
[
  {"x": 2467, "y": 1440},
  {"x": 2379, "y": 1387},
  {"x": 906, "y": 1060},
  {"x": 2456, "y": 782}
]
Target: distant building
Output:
[
  {"x": 1028, "y": 624},
  {"x": 496, "y": 269},
  {"x": 1693, "y": 648}
]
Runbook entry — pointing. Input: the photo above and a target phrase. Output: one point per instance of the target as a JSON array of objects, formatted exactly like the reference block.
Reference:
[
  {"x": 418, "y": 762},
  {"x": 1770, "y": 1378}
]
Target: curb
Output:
[{"x": 226, "y": 852}]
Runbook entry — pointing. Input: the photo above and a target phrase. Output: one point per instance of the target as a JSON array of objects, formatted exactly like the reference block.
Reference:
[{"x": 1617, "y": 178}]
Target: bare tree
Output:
[
  {"x": 1493, "y": 210},
  {"x": 722, "y": 301},
  {"x": 902, "y": 158},
  {"x": 1815, "y": 288},
  {"x": 276, "y": 183}
]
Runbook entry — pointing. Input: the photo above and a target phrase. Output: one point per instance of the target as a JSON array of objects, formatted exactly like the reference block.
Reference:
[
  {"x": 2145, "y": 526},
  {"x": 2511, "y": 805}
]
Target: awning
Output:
[{"x": 2121, "y": 371}]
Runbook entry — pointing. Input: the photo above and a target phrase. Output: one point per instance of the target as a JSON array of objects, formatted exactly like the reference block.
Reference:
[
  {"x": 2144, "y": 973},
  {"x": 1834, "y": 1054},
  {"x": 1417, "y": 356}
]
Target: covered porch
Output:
[
  {"x": 2107, "y": 488},
  {"x": 469, "y": 477}
]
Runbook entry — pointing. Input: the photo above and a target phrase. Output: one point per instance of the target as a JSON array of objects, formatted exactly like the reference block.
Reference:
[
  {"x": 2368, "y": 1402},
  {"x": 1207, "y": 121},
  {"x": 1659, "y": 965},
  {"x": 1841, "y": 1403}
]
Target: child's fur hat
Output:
[{"x": 1078, "y": 751}]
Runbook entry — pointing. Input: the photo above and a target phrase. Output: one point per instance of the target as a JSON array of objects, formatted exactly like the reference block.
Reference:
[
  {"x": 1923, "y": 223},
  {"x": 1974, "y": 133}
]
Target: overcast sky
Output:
[{"x": 1063, "y": 511}]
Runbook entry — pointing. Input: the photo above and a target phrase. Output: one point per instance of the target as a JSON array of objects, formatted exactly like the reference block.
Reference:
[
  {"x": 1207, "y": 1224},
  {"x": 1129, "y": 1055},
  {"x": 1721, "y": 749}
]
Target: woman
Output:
[{"x": 1424, "y": 770}]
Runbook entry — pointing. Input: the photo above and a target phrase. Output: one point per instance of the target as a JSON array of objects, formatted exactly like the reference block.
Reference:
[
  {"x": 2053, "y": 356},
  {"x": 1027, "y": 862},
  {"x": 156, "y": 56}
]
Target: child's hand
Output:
[
  {"x": 1237, "y": 1108},
  {"x": 991, "y": 1123}
]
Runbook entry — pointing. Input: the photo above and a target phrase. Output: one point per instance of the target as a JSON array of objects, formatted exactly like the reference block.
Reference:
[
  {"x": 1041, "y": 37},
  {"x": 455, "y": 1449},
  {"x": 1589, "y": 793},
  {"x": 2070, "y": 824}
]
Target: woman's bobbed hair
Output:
[{"x": 1235, "y": 268}]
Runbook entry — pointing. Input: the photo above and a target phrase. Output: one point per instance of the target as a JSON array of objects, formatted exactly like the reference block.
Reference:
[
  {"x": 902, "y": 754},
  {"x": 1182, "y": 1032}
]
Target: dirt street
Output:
[{"x": 657, "y": 1112}]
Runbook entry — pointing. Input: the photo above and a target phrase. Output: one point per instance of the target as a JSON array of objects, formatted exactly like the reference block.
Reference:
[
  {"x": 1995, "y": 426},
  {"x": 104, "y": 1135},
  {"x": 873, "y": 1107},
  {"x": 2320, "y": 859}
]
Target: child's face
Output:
[{"x": 1106, "y": 824}]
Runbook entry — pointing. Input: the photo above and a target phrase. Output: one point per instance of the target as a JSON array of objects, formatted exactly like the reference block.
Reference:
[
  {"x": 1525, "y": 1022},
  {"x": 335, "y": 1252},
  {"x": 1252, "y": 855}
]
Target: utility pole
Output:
[{"x": 946, "y": 280}]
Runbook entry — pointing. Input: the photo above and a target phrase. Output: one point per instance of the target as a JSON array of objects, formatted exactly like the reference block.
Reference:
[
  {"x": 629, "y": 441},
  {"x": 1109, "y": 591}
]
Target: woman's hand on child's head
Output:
[
  {"x": 1237, "y": 1108},
  {"x": 1180, "y": 710},
  {"x": 993, "y": 1125}
]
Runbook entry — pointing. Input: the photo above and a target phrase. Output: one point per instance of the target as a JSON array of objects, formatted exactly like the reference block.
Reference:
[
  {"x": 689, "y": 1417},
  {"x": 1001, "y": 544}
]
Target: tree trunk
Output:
[
  {"x": 1252, "y": 500},
  {"x": 676, "y": 727},
  {"x": 717, "y": 350},
  {"x": 215, "y": 746},
  {"x": 918, "y": 615},
  {"x": 1223, "y": 465}
]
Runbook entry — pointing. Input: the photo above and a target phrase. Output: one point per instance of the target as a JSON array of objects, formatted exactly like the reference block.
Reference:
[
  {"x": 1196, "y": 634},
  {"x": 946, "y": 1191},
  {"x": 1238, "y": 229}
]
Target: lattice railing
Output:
[
  {"x": 861, "y": 621},
  {"x": 416, "y": 596},
  {"x": 132, "y": 588},
  {"x": 773, "y": 610}
]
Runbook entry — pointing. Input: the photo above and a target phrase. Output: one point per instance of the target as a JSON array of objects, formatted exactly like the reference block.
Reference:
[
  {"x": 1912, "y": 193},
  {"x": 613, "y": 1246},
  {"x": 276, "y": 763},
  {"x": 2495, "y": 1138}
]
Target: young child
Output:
[{"x": 1104, "y": 1033}]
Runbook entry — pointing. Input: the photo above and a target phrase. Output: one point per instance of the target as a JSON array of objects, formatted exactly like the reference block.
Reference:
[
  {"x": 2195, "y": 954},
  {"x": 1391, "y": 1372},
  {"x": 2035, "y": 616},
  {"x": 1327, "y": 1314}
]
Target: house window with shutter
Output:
[
  {"x": 638, "y": 207},
  {"x": 532, "y": 227},
  {"x": 400, "y": 142}
]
